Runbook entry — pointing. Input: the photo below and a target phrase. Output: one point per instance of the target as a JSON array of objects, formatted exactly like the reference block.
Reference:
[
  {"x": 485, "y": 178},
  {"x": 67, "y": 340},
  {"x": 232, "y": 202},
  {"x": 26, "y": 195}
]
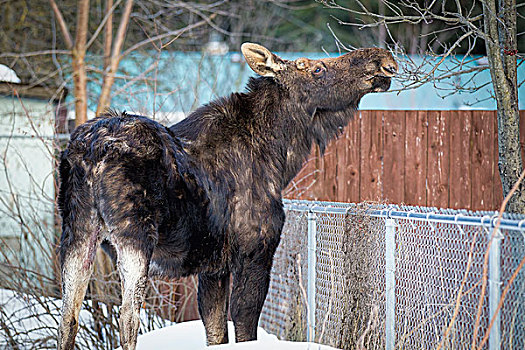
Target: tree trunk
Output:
[
  {"x": 113, "y": 62},
  {"x": 500, "y": 41},
  {"x": 108, "y": 35},
  {"x": 79, "y": 64}
]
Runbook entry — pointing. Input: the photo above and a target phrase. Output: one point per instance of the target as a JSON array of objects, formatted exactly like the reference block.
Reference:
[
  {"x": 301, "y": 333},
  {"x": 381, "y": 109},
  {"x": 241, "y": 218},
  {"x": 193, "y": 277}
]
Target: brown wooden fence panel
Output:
[
  {"x": 348, "y": 171},
  {"x": 460, "y": 192},
  {"x": 371, "y": 155},
  {"x": 438, "y": 159},
  {"x": 416, "y": 157},
  {"x": 482, "y": 159},
  {"x": 430, "y": 158},
  {"x": 394, "y": 156},
  {"x": 304, "y": 184},
  {"x": 498, "y": 188},
  {"x": 328, "y": 172}
]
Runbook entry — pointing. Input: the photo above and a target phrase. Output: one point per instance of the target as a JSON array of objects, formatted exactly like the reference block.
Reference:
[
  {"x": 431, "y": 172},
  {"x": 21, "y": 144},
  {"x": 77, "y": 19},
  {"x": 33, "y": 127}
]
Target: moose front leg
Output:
[
  {"x": 213, "y": 297},
  {"x": 250, "y": 286}
]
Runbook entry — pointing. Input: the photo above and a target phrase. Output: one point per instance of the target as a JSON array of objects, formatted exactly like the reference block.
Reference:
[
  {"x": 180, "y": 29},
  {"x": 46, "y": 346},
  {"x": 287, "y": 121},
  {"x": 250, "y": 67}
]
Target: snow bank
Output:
[
  {"x": 32, "y": 320},
  {"x": 191, "y": 336}
]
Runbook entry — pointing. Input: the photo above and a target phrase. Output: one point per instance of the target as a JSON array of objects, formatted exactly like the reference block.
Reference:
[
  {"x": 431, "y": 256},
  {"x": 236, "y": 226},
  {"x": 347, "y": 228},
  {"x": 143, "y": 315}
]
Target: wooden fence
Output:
[{"x": 446, "y": 159}]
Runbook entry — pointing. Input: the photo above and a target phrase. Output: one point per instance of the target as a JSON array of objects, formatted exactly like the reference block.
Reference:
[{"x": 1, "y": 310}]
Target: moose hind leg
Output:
[
  {"x": 250, "y": 286},
  {"x": 77, "y": 265},
  {"x": 213, "y": 297},
  {"x": 133, "y": 264}
]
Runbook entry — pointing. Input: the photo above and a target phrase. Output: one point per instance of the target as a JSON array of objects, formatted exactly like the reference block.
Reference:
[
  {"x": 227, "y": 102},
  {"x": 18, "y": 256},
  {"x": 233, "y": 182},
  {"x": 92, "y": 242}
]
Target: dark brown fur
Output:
[{"x": 203, "y": 196}]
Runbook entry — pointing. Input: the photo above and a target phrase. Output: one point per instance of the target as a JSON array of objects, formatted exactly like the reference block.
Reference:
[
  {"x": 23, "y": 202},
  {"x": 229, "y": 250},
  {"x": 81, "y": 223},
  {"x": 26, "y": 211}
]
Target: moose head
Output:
[{"x": 328, "y": 83}]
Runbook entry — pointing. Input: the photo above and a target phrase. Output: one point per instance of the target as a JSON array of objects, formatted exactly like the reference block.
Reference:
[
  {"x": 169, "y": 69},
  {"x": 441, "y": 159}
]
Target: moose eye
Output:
[{"x": 318, "y": 71}]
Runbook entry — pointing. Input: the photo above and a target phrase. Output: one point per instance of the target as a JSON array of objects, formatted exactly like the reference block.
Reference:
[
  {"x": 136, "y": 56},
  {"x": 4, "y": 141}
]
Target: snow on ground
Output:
[
  {"x": 28, "y": 320},
  {"x": 31, "y": 320},
  {"x": 191, "y": 336}
]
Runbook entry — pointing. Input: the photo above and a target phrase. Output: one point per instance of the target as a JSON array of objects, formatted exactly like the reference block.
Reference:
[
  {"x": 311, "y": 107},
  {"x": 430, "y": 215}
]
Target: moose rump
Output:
[{"x": 125, "y": 179}]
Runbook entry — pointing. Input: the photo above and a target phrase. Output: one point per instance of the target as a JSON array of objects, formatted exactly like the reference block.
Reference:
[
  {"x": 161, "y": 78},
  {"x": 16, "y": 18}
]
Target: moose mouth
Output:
[
  {"x": 381, "y": 83},
  {"x": 383, "y": 79}
]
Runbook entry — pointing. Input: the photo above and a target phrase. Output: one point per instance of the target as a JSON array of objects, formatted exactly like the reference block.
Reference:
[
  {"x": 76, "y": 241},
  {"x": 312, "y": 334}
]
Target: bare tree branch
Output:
[
  {"x": 62, "y": 24},
  {"x": 507, "y": 31},
  {"x": 102, "y": 25},
  {"x": 109, "y": 77},
  {"x": 34, "y": 53},
  {"x": 173, "y": 33}
]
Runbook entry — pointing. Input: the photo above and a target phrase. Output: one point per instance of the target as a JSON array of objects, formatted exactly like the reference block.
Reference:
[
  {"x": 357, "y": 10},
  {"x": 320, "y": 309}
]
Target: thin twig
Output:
[
  {"x": 34, "y": 53},
  {"x": 62, "y": 24},
  {"x": 164, "y": 35},
  {"x": 500, "y": 304},
  {"x": 301, "y": 287}
]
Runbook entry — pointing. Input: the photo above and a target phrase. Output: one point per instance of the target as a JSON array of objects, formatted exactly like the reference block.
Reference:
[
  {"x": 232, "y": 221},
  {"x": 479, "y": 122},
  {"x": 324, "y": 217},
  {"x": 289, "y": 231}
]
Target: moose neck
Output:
[
  {"x": 295, "y": 126},
  {"x": 269, "y": 127}
]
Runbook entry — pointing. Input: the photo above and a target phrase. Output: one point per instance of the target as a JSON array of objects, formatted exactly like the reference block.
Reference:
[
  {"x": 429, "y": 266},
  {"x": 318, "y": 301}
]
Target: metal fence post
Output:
[
  {"x": 495, "y": 290},
  {"x": 312, "y": 261},
  {"x": 390, "y": 248}
]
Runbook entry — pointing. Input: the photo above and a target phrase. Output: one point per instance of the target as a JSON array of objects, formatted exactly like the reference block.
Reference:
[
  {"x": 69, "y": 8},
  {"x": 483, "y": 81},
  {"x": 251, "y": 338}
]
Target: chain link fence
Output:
[{"x": 376, "y": 276}]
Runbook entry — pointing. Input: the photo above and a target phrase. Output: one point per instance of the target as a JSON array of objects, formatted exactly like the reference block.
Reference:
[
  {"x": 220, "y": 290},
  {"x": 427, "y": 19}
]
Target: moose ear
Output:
[{"x": 261, "y": 60}]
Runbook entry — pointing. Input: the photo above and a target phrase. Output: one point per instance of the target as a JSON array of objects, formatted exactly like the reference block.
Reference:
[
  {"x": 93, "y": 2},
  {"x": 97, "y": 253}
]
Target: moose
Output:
[{"x": 204, "y": 195}]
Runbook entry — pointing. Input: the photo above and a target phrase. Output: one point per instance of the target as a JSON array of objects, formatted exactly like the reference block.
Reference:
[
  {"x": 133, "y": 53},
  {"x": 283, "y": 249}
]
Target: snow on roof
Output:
[{"x": 8, "y": 75}]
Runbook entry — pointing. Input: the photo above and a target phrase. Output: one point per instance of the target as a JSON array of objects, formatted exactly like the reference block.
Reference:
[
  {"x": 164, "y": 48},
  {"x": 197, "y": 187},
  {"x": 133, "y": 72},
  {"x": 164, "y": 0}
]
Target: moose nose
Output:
[{"x": 389, "y": 69}]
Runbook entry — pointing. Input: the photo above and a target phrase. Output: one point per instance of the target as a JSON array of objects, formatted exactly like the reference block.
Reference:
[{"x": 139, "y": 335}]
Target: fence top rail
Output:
[{"x": 461, "y": 217}]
